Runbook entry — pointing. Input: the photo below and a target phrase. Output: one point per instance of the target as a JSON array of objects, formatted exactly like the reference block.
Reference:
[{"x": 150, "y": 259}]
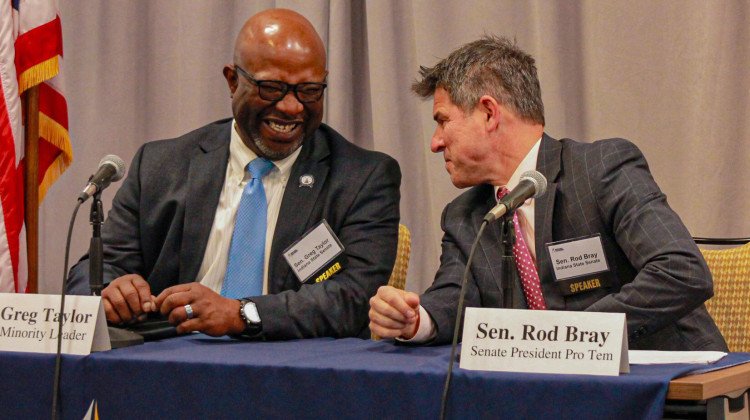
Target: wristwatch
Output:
[{"x": 249, "y": 315}]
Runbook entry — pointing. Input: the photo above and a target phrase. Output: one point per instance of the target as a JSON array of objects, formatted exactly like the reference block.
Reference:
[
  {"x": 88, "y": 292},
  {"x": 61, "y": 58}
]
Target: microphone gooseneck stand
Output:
[
  {"x": 508, "y": 282},
  {"x": 96, "y": 249},
  {"x": 510, "y": 273},
  {"x": 118, "y": 337}
]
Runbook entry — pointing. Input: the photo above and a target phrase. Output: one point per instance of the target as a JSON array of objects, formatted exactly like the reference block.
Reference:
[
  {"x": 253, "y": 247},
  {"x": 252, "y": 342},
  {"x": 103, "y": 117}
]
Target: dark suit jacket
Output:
[
  {"x": 659, "y": 277},
  {"x": 161, "y": 218}
]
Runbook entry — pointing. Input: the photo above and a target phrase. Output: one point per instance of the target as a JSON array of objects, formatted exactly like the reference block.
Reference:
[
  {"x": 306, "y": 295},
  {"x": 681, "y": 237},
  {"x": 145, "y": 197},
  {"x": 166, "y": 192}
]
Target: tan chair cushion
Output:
[{"x": 730, "y": 306}]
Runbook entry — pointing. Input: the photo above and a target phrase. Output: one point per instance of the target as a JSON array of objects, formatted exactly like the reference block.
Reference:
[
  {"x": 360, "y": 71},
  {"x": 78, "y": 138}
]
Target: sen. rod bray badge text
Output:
[{"x": 579, "y": 265}]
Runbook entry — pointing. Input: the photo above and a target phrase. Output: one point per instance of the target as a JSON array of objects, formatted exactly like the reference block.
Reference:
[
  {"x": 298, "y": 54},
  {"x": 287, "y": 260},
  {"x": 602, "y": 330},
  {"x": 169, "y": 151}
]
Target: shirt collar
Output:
[
  {"x": 527, "y": 164},
  {"x": 240, "y": 155}
]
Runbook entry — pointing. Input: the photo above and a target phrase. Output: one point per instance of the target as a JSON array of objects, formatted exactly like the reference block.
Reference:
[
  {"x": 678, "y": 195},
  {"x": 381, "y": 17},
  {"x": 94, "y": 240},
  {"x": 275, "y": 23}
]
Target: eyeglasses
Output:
[{"x": 276, "y": 90}]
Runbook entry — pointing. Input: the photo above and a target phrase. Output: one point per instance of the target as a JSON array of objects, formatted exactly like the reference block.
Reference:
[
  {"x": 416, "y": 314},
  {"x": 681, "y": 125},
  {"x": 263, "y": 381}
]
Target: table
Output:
[
  {"x": 707, "y": 393},
  {"x": 197, "y": 376}
]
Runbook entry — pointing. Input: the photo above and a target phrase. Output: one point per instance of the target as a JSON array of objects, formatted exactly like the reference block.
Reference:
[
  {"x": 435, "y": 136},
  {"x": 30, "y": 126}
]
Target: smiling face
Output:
[
  {"x": 276, "y": 45},
  {"x": 461, "y": 137}
]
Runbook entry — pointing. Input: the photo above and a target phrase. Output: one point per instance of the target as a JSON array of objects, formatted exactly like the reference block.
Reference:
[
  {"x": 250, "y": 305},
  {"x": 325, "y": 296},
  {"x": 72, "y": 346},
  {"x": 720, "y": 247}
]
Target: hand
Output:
[
  {"x": 394, "y": 313},
  {"x": 127, "y": 299},
  {"x": 213, "y": 314}
]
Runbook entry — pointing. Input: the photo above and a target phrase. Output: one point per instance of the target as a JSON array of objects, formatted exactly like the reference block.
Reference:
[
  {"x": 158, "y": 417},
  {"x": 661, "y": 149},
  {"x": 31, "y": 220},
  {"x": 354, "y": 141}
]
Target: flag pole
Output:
[{"x": 31, "y": 187}]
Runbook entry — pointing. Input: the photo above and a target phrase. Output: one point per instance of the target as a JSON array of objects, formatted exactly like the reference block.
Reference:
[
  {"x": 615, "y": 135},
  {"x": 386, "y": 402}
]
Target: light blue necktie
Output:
[{"x": 244, "y": 275}]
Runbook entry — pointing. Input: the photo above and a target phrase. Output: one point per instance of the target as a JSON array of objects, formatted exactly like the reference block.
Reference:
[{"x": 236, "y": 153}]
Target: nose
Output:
[
  {"x": 437, "y": 144},
  {"x": 289, "y": 104}
]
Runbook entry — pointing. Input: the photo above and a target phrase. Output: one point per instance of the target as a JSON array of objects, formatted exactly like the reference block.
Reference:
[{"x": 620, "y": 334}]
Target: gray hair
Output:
[{"x": 492, "y": 66}]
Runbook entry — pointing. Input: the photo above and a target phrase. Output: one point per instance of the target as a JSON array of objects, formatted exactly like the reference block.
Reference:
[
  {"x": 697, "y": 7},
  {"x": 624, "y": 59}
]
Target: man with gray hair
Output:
[{"x": 490, "y": 129}]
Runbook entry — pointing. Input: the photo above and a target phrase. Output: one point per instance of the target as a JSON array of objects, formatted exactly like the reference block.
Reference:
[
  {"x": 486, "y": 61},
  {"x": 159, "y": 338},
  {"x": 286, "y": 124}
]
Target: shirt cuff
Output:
[{"x": 426, "y": 330}]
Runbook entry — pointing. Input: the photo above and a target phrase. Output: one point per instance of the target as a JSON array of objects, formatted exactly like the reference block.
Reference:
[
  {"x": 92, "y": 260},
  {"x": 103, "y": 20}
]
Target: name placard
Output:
[
  {"x": 517, "y": 340},
  {"x": 29, "y": 323}
]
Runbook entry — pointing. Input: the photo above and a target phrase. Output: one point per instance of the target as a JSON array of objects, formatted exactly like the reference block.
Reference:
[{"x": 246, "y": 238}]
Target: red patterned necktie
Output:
[{"x": 525, "y": 264}]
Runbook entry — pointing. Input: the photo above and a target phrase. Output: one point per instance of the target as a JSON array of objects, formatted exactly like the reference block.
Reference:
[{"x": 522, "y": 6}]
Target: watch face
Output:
[{"x": 251, "y": 312}]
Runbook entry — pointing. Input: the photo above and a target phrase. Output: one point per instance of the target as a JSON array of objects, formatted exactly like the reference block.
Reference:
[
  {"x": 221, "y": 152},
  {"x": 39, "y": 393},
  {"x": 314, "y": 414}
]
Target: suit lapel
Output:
[
  {"x": 548, "y": 163},
  {"x": 297, "y": 207},
  {"x": 205, "y": 180}
]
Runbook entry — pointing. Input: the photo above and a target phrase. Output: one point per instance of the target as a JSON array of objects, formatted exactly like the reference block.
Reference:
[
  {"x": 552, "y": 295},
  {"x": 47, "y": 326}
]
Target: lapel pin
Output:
[{"x": 306, "y": 180}]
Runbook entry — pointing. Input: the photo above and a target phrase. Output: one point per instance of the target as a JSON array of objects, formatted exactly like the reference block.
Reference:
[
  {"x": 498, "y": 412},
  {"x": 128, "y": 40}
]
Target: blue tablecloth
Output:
[{"x": 197, "y": 376}]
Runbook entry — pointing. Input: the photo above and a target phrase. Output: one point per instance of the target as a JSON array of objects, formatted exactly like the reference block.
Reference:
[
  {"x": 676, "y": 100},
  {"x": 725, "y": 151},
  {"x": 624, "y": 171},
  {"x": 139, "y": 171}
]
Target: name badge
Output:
[
  {"x": 520, "y": 340},
  {"x": 317, "y": 255},
  {"x": 579, "y": 265},
  {"x": 29, "y": 323}
]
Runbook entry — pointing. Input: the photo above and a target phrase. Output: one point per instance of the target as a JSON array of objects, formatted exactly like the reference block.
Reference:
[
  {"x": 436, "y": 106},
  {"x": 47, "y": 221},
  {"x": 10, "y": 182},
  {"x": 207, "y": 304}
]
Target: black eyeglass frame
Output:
[{"x": 285, "y": 90}]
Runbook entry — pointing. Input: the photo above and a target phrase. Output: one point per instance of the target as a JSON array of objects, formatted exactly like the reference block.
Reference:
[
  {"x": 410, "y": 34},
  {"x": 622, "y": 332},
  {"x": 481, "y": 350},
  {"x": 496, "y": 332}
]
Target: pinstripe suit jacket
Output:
[{"x": 659, "y": 278}]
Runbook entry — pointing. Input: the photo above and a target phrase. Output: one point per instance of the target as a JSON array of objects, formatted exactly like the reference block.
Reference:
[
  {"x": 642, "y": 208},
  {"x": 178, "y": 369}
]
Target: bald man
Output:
[{"x": 171, "y": 230}]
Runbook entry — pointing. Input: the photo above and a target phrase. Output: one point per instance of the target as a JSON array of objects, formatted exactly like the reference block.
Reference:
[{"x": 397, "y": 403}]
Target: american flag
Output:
[{"x": 30, "y": 55}]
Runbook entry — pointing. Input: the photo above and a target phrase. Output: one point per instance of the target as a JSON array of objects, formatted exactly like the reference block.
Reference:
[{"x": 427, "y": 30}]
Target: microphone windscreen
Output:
[
  {"x": 540, "y": 182},
  {"x": 117, "y": 163}
]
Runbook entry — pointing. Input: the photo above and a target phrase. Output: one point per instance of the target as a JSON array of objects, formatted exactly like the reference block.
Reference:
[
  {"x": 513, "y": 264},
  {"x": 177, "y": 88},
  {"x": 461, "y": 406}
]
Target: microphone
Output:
[
  {"x": 532, "y": 185},
  {"x": 111, "y": 168}
]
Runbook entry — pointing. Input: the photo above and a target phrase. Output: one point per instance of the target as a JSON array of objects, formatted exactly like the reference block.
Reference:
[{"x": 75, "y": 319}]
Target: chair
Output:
[
  {"x": 403, "y": 252},
  {"x": 721, "y": 241},
  {"x": 730, "y": 306}
]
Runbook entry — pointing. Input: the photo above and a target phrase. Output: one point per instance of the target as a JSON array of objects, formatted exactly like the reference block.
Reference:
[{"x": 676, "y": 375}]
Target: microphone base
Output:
[{"x": 119, "y": 338}]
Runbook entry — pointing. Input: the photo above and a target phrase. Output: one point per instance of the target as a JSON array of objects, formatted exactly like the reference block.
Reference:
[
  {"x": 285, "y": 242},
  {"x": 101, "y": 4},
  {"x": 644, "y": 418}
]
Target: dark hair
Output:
[{"x": 492, "y": 66}]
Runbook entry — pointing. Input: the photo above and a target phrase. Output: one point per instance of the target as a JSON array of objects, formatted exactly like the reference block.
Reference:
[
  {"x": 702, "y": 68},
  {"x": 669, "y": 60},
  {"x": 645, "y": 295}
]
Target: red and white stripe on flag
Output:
[
  {"x": 30, "y": 55},
  {"x": 11, "y": 151}
]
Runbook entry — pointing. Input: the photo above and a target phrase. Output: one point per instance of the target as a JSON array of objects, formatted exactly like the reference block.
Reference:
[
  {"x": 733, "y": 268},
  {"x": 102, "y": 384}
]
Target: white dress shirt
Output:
[
  {"x": 426, "y": 330},
  {"x": 214, "y": 265}
]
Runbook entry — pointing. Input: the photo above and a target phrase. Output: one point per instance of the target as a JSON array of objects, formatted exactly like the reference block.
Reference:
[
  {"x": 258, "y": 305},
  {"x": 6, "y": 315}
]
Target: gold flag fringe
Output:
[
  {"x": 38, "y": 73},
  {"x": 56, "y": 135}
]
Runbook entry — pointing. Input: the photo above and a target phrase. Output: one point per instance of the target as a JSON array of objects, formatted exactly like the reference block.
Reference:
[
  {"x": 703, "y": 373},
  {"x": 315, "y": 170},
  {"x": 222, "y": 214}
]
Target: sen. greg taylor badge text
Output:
[{"x": 317, "y": 255}]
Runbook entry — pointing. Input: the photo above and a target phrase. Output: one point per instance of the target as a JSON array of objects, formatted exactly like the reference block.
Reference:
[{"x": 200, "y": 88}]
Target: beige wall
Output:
[{"x": 671, "y": 76}]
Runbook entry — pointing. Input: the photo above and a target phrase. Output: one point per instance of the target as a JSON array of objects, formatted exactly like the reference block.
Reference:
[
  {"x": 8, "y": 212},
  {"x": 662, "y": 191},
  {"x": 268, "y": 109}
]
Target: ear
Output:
[
  {"x": 231, "y": 75},
  {"x": 491, "y": 111}
]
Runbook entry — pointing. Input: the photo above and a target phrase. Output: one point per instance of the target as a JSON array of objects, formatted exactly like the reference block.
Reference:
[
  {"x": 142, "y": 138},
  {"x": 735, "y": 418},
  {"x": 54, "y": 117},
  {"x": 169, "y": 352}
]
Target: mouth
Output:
[{"x": 282, "y": 128}]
